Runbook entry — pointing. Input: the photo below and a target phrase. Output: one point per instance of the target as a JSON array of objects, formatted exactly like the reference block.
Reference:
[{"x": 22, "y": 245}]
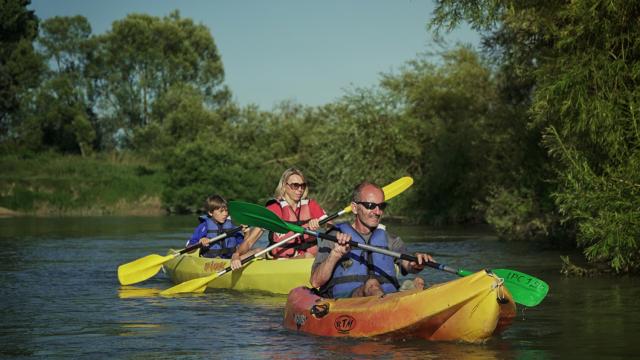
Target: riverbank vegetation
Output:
[
  {"x": 536, "y": 133},
  {"x": 55, "y": 184}
]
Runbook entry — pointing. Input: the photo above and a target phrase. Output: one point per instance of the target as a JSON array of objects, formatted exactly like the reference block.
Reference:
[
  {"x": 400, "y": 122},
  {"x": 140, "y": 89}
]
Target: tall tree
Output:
[
  {"x": 144, "y": 56},
  {"x": 453, "y": 107},
  {"x": 65, "y": 101},
  {"x": 583, "y": 58},
  {"x": 20, "y": 66}
]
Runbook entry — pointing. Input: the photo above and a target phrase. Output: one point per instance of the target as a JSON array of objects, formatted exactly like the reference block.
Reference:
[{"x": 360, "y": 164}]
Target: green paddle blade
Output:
[
  {"x": 141, "y": 269},
  {"x": 525, "y": 289},
  {"x": 256, "y": 215}
]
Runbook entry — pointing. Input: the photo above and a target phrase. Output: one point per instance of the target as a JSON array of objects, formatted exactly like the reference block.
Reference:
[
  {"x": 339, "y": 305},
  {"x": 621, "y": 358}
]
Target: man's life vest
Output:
[{"x": 357, "y": 266}]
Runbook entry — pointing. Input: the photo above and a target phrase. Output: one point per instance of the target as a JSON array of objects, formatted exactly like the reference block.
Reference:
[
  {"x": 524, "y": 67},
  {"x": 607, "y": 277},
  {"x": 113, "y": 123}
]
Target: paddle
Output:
[
  {"x": 146, "y": 267},
  {"x": 200, "y": 284},
  {"x": 525, "y": 289}
]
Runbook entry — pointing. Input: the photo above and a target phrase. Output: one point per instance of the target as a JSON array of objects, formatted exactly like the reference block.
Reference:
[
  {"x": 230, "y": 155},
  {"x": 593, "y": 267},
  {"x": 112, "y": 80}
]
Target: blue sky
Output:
[{"x": 310, "y": 52}]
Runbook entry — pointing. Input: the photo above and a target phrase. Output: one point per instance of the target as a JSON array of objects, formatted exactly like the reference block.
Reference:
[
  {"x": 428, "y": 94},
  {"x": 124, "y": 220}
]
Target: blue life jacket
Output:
[
  {"x": 222, "y": 248},
  {"x": 357, "y": 266}
]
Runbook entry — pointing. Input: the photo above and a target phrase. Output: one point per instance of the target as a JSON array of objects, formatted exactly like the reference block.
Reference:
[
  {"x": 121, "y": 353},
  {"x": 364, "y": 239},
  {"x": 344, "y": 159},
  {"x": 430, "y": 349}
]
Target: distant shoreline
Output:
[{"x": 150, "y": 208}]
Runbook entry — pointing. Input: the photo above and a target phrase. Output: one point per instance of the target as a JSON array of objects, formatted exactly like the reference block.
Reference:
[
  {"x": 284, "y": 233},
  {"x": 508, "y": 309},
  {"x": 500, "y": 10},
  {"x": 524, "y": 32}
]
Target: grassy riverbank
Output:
[{"x": 51, "y": 184}]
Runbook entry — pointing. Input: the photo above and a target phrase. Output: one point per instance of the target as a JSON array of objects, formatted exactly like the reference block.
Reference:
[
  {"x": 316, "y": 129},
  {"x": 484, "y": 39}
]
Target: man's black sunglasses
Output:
[{"x": 371, "y": 205}]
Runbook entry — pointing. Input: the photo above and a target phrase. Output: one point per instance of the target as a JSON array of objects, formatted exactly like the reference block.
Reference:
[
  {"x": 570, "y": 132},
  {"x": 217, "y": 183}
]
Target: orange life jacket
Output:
[{"x": 300, "y": 245}]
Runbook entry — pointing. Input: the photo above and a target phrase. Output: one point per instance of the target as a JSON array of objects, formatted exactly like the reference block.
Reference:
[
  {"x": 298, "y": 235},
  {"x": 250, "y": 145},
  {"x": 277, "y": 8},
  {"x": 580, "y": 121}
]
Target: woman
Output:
[{"x": 290, "y": 203}]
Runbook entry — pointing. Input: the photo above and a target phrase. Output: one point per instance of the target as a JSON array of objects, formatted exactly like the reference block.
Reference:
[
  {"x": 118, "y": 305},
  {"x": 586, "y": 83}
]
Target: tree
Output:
[
  {"x": 359, "y": 137},
  {"x": 143, "y": 56},
  {"x": 178, "y": 116},
  {"x": 583, "y": 58},
  {"x": 64, "y": 102},
  {"x": 453, "y": 108},
  {"x": 20, "y": 66},
  {"x": 206, "y": 166}
]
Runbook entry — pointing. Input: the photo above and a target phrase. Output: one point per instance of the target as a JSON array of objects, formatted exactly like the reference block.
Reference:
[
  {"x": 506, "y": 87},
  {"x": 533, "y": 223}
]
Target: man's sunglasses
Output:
[
  {"x": 371, "y": 205},
  {"x": 296, "y": 186}
]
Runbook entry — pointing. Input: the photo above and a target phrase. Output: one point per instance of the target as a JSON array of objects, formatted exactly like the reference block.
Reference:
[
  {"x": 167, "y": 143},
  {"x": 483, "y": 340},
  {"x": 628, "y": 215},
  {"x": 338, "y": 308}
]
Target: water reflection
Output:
[
  {"x": 128, "y": 292},
  {"x": 61, "y": 299}
]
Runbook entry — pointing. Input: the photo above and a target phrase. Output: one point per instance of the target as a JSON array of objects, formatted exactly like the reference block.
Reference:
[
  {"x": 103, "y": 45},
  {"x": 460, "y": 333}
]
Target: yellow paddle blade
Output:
[
  {"x": 397, "y": 187},
  {"x": 141, "y": 269},
  {"x": 197, "y": 285},
  {"x": 391, "y": 190}
]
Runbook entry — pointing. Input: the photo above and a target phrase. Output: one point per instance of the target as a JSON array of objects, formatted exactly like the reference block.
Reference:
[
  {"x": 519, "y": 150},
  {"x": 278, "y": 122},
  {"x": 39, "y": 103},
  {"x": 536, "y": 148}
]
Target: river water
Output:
[{"x": 60, "y": 298}]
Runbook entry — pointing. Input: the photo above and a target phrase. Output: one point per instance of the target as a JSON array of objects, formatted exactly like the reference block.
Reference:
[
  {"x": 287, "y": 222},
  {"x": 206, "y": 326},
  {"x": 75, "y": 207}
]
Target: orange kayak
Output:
[{"x": 470, "y": 309}]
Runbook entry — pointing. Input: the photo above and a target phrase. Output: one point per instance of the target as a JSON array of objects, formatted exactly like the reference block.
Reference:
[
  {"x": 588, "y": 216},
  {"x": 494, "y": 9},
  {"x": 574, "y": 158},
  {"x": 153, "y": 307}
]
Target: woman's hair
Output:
[
  {"x": 279, "y": 193},
  {"x": 214, "y": 202}
]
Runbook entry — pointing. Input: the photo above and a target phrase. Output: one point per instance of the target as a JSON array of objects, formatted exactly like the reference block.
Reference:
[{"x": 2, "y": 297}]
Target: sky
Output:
[{"x": 310, "y": 52}]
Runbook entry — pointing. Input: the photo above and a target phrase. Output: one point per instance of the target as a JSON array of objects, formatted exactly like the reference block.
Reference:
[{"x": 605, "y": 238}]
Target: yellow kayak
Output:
[
  {"x": 470, "y": 309},
  {"x": 275, "y": 276}
]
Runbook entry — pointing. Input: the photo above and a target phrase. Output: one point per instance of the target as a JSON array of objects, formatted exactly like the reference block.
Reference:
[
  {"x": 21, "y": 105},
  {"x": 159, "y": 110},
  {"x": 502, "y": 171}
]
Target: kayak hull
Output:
[
  {"x": 275, "y": 276},
  {"x": 469, "y": 309}
]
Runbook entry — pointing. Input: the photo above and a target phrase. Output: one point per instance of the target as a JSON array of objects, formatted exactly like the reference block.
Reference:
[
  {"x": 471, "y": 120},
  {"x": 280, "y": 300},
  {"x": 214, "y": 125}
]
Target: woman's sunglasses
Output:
[
  {"x": 371, "y": 205},
  {"x": 296, "y": 186}
]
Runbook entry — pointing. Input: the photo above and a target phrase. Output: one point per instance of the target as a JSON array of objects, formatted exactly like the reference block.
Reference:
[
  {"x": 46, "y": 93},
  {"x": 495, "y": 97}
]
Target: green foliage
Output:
[
  {"x": 603, "y": 203},
  {"x": 514, "y": 215},
  {"x": 360, "y": 139},
  {"x": 581, "y": 60},
  {"x": 541, "y": 128},
  {"x": 589, "y": 90},
  {"x": 205, "y": 166},
  {"x": 143, "y": 56},
  {"x": 64, "y": 41},
  {"x": 178, "y": 116},
  {"x": 450, "y": 117},
  {"x": 20, "y": 66},
  {"x": 54, "y": 184}
]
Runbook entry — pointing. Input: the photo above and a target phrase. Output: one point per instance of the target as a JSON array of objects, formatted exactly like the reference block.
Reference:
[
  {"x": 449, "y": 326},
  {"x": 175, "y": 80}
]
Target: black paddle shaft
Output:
[
  {"x": 217, "y": 238},
  {"x": 364, "y": 246},
  {"x": 394, "y": 254}
]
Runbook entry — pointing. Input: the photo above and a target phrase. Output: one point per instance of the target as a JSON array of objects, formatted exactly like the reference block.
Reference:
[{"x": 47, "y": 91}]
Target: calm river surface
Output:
[{"x": 60, "y": 298}]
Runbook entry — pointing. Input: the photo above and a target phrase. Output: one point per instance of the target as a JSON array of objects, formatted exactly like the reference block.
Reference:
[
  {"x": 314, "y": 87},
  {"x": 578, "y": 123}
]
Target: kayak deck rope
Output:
[{"x": 499, "y": 283}]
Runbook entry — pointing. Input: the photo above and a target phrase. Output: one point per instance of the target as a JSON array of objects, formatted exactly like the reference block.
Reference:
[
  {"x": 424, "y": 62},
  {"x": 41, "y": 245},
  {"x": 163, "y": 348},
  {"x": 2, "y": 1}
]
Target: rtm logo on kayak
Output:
[
  {"x": 525, "y": 280},
  {"x": 344, "y": 324},
  {"x": 213, "y": 266}
]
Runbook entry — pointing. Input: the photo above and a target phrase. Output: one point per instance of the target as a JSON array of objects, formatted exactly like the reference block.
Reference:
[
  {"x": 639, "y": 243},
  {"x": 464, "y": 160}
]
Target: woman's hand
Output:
[{"x": 313, "y": 224}]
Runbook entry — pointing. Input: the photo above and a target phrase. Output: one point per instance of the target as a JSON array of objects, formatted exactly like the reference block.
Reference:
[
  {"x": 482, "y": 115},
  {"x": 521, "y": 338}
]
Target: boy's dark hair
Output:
[{"x": 214, "y": 202}]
